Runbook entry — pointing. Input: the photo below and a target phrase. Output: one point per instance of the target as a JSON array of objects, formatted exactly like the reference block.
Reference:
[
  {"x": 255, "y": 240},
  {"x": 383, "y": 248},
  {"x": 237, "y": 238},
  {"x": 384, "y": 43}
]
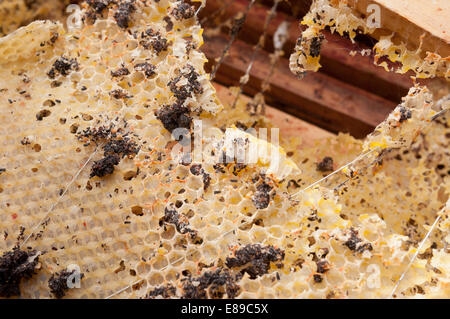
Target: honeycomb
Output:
[
  {"x": 405, "y": 191},
  {"x": 93, "y": 175}
]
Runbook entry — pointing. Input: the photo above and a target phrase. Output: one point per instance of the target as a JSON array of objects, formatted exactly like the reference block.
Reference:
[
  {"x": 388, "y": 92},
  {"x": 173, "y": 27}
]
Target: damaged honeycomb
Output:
[{"x": 92, "y": 175}]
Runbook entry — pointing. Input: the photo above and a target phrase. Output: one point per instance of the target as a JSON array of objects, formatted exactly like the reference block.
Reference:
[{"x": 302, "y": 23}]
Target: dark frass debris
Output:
[
  {"x": 63, "y": 66},
  {"x": 322, "y": 266},
  {"x": 316, "y": 43},
  {"x": 15, "y": 265},
  {"x": 41, "y": 114},
  {"x": 169, "y": 23},
  {"x": 123, "y": 146},
  {"x": 95, "y": 9},
  {"x": 326, "y": 165},
  {"x": 120, "y": 72},
  {"x": 181, "y": 223},
  {"x": 211, "y": 284},
  {"x": 147, "y": 68},
  {"x": 405, "y": 114},
  {"x": 99, "y": 5},
  {"x": 123, "y": 13},
  {"x": 219, "y": 168},
  {"x": 151, "y": 39},
  {"x": 174, "y": 116},
  {"x": 58, "y": 282},
  {"x": 25, "y": 141},
  {"x": 354, "y": 243},
  {"x": 105, "y": 166},
  {"x": 206, "y": 181},
  {"x": 183, "y": 11},
  {"x": 163, "y": 291},
  {"x": 116, "y": 145},
  {"x": 97, "y": 134},
  {"x": 119, "y": 94},
  {"x": 54, "y": 37},
  {"x": 262, "y": 196},
  {"x": 184, "y": 91},
  {"x": 317, "y": 278},
  {"x": 2, "y": 170},
  {"x": 255, "y": 259},
  {"x": 196, "y": 169}
]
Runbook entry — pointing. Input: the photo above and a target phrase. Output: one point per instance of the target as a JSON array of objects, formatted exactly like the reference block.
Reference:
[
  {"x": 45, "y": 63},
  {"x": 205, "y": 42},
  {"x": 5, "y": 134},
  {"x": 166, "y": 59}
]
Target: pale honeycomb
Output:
[
  {"x": 155, "y": 222},
  {"x": 406, "y": 191}
]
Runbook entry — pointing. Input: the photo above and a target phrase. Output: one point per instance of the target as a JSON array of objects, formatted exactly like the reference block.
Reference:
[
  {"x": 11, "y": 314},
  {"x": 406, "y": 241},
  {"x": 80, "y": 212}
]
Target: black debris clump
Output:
[
  {"x": 117, "y": 144},
  {"x": 183, "y": 11},
  {"x": 147, "y": 68},
  {"x": 206, "y": 181},
  {"x": 316, "y": 44},
  {"x": 96, "y": 134},
  {"x": 196, "y": 169},
  {"x": 2, "y": 170},
  {"x": 163, "y": 291},
  {"x": 190, "y": 45},
  {"x": 151, "y": 39},
  {"x": 41, "y": 114},
  {"x": 174, "y": 116},
  {"x": 25, "y": 141},
  {"x": 99, "y": 5},
  {"x": 177, "y": 115},
  {"x": 317, "y": 278},
  {"x": 54, "y": 37},
  {"x": 95, "y": 9},
  {"x": 212, "y": 284},
  {"x": 123, "y": 13},
  {"x": 15, "y": 265},
  {"x": 405, "y": 114},
  {"x": 184, "y": 91},
  {"x": 237, "y": 168},
  {"x": 171, "y": 216},
  {"x": 354, "y": 243},
  {"x": 105, "y": 166},
  {"x": 120, "y": 72},
  {"x": 262, "y": 196},
  {"x": 255, "y": 259},
  {"x": 322, "y": 266},
  {"x": 293, "y": 183},
  {"x": 119, "y": 94},
  {"x": 326, "y": 165},
  {"x": 63, "y": 66},
  {"x": 219, "y": 168},
  {"x": 122, "y": 146},
  {"x": 169, "y": 23},
  {"x": 58, "y": 283}
]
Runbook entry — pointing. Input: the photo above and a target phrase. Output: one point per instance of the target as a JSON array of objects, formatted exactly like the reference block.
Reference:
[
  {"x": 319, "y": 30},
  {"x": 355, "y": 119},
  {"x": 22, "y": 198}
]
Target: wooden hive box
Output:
[{"x": 350, "y": 93}]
